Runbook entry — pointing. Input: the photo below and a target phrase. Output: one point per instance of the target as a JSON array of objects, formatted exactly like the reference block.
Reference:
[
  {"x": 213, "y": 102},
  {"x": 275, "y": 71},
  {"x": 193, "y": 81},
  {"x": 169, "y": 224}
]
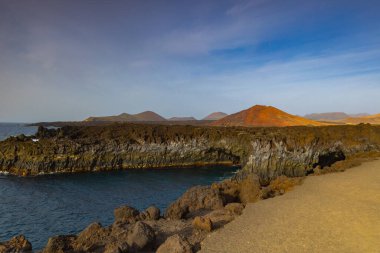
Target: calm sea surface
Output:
[
  {"x": 40, "y": 207},
  {"x": 12, "y": 129}
]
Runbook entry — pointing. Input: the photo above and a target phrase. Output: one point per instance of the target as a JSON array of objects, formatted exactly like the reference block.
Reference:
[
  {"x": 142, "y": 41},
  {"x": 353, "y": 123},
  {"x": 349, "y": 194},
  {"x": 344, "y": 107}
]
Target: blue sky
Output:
[{"x": 66, "y": 60}]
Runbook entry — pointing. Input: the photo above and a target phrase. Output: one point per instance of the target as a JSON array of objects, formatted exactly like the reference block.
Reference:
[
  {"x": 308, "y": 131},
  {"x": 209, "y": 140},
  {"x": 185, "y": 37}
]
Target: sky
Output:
[{"x": 67, "y": 60}]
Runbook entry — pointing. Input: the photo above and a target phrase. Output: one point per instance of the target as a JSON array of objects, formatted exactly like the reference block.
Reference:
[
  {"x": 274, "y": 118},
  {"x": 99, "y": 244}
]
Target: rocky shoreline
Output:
[
  {"x": 267, "y": 152},
  {"x": 274, "y": 160},
  {"x": 181, "y": 228},
  {"x": 184, "y": 224}
]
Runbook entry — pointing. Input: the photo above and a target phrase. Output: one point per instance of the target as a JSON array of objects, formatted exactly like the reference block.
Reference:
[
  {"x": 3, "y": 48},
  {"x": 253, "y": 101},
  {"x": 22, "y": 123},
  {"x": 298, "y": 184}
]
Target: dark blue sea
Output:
[
  {"x": 43, "y": 206},
  {"x": 13, "y": 129}
]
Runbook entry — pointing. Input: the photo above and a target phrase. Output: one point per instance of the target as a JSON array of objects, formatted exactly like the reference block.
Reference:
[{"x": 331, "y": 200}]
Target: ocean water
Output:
[
  {"x": 12, "y": 129},
  {"x": 44, "y": 206}
]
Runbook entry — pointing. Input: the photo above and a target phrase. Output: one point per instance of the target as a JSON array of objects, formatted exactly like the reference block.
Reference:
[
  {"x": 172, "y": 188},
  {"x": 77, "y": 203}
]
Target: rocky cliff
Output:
[
  {"x": 298, "y": 151},
  {"x": 118, "y": 146},
  {"x": 268, "y": 152}
]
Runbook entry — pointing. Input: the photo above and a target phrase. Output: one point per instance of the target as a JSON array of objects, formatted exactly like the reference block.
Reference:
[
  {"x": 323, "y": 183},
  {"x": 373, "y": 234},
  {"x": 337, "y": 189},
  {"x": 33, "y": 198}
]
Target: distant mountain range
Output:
[
  {"x": 256, "y": 116},
  {"x": 333, "y": 116},
  {"x": 359, "y": 115},
  {"x": 149, "y": 116},
  {"x": 264, "y": 116},
  {"x": 327, "y": 116},
  {"x": 182, "y": 119},
  {"x": 125, "y": 117}
]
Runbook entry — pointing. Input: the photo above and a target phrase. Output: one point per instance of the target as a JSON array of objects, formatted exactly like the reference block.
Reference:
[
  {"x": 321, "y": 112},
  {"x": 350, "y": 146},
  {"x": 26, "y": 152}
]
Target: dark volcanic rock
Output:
[
  {"x": 141, "y": 237},
  {"x": 235, "y": 208},
  {"x": 135, "y": 237},
  {"x": 279, "y": 186},
  {"x": 195, "y": 199},
  {"x": 93, "y": 239},
  {"x": 152, "y": 213},
  {"x": 175, "y": 244},
  {"x": 17, "y": 244},
  {"x": 250, "y": 189},
  {"x": 60, "y": 244},
  {"x": 126, "y": 214},
  {"x": 229, "y": 189},
  {"x": 116, "y": 248},
  {"x": 267, "y": 152},
  {"x": 220, "y": 217},
  {"x": 203, "y": 223}
]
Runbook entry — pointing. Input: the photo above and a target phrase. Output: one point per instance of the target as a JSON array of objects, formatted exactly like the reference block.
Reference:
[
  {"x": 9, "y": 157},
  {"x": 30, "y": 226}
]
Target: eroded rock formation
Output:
[{"x": 267, "y": 152}]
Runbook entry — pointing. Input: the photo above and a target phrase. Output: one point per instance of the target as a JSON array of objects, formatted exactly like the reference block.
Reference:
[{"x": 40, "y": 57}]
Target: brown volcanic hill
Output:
[
  {"x": 327, "y": 116},
  {"x": 215, "y": 116},
  {"x": 371, "y": 119},
  {"x": 125, "y": 117},
  {"x": 357, "y": 115},
  {"x": 264, "y": 116},
  {"x": 149, "y": 116},
  {"x": 182, "y": 119}
]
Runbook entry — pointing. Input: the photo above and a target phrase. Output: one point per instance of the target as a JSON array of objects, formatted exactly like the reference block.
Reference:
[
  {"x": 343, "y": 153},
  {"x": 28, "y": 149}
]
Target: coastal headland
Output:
[
  {"x": 273, "y": 161},
  {"x": 268, "y": 152}
]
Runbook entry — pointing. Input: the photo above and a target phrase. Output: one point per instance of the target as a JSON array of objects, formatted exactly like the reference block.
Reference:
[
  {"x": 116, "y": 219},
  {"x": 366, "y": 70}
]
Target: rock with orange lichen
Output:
[
  {"x": 203, "y": 223},
  {"x": 18, "y": 244}
]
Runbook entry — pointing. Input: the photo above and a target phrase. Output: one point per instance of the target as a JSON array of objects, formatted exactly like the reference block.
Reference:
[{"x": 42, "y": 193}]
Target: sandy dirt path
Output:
[{"x": 337, "y": 212}]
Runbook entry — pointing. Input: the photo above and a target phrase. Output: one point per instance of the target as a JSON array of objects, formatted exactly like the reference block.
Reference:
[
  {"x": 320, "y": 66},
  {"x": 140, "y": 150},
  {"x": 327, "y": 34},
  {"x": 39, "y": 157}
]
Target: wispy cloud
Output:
[
  {"x": 67, "y": 60},
  {"x": 243, "y": 6}
]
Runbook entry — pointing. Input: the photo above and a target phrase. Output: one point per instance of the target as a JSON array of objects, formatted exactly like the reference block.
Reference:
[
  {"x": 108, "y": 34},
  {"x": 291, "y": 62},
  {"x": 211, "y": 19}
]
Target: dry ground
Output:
[{"x": 338, "y": 212}]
